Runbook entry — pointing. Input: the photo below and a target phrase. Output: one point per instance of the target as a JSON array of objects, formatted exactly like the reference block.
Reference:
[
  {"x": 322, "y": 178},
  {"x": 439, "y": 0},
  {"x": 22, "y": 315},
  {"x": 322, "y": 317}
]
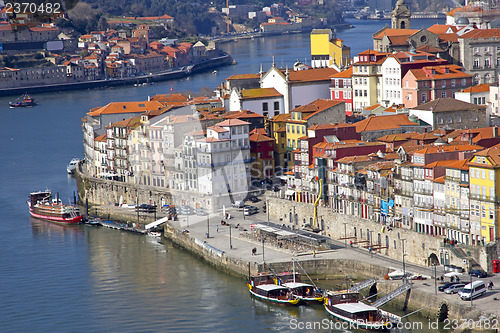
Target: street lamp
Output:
[
  {"x": 263, "y": 250},
  {"x": 208, "y": 226},
  {"x": 345, "y": 234},
  {"x": 230, "y": 240},
  {"x": 404, "y": 254}
]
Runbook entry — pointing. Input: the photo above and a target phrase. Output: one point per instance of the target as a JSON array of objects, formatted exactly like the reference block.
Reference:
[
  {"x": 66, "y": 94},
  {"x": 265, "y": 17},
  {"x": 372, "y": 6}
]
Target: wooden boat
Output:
[
  {"x": 263, "y": 286},
  {"x": 304, "y": 291},
  {"x": 26, "y": 101},
  {"x": 42, "y": 206},
  {"x": 346, "y": 306}
]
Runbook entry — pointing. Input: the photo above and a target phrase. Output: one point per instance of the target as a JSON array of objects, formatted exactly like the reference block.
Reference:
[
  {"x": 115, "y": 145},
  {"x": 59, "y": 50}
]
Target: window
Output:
[
  {"x": 443, "y": 94},
  {"x": 265, "y": 107},
  {"x": 424, "y": 98},
  {"x": 276, "y": 105},
  {"x": 336, "y": 94},
  {"x": 476, "y": 63}
]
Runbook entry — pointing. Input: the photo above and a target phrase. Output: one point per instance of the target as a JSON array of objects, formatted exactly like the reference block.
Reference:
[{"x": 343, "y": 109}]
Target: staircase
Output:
[
  {"x": 393, "y": 294},
  {"x": 362, "y": 285}
]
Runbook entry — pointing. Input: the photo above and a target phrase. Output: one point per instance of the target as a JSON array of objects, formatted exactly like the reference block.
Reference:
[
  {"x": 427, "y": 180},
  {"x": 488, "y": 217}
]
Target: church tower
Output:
[{"x": 400, "y": 18}]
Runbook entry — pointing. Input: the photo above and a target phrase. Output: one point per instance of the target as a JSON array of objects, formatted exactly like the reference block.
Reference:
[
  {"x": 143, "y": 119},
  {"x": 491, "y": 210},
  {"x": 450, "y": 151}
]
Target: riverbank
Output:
[{"x": 209, "y": 64}]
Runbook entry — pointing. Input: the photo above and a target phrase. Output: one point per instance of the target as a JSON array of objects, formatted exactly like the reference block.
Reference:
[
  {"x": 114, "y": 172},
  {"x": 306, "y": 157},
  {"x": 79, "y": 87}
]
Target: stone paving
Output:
[{"x": 222, "y": 237}]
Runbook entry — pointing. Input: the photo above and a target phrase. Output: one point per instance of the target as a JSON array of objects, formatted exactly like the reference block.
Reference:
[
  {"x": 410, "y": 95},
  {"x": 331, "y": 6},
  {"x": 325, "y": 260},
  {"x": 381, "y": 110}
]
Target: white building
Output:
[
  {"x": 267, "y": 102},
  {"x": 223, "y": 160},
  {"x": 299, "y": 87}
]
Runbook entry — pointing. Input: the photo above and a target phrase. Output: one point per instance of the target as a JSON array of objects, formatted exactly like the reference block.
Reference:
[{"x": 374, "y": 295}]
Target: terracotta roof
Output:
[
  {"x": 493, "y": 155},
  {"x": 243, "y": 77},
  {"x": 429, "y": 49},
  {"x": 126, "y": 107},
  {"x": 481, "y": 33},
  {"x": 395, "y": 32},
  {"x": 438, "y": 149},
  {"x": 354, "y": 159},
  {"x": 329, "y": 126},
  {"x": 241, "y": 114},
  {"x": 101, "y": 138},
  {"x": 447, "y": 104},
  {"x": 257, "y": 137},
  {"x": 281, "y": 117},
  {"x": 485, "y": 87},
  {"x": 441, "y": 28},
  {"x": 130, "y": 122},
  {"x": 458, "y": 164},
  {"x": 439, "y": 180},
  {"x": 218, "y": 129},
  {"x": 344, "y": 74},
  {"x": 378, "y": 123},
  {"x": 310, "y": 75},
  {"x": 398, "y": 137},
  {"x": 259, "y": 93},
  {"x": 439, "y": 72},
  {"x": 258, "y": 131},
  {"x": 232, "y": 122},
  {"x": 315, "y": 107}
]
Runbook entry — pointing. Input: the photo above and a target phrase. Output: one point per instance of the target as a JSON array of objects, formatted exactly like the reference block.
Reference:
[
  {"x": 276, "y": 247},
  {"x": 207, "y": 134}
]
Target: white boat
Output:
[
  {"x": 72, "y": 165},
  {"x": 346, "y": 306}
]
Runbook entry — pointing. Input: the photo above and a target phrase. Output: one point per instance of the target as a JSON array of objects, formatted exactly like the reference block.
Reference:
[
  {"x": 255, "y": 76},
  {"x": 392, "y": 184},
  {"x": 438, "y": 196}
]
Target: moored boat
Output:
[
  {"x": 304, "y": 291},
  {"x": 346, "y": 306},
  {"x": 263, "y": 286},
  {"x": 26, "y": 101},
  {"x": 42, "y": 206},
  {"x": 70, "y": 168}
]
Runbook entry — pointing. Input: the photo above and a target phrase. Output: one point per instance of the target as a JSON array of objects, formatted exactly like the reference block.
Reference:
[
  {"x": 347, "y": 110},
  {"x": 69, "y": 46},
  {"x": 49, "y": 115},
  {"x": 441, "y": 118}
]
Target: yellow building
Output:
[
  {"x": 484, "y": 175},
  {"x": 327, "y": 50},
  {"x": 278, "y": 133}
]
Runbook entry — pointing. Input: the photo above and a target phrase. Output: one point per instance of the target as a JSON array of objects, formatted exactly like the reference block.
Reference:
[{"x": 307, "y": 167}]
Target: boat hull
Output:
[
  {"x": 61, "y": 220},
  {"x": 359, "y": 324},
  {"x": 274, "y": 300}
]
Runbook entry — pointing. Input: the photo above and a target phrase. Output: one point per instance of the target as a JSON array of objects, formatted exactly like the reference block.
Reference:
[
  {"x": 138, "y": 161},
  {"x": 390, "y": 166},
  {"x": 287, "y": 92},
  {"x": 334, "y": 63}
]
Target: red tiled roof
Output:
[
  {"x": 482, "y": 33},
  {"x": 257, "y": 137},
  {"x": 378, "y": 123}
]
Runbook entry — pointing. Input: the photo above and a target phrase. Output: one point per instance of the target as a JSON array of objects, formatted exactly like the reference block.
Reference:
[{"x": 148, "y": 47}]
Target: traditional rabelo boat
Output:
[
  {"x": 346, "y": 306},
  {"x": 264, "y": 286},
  {"x": 304, "y": 291},
  {"x": 42, "y": 206}
]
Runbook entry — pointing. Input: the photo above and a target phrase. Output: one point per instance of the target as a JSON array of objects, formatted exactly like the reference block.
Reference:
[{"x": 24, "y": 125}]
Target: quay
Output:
[
  {"x": 172, "y": 74},
  {"x": 230, "y": 251}
]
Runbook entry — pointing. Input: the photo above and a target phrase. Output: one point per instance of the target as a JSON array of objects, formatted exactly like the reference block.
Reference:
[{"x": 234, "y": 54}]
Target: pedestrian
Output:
[
  {"x": 370, "y": 250},
  {"x": 351, "y": 243},
  {"x": 442, "y": 279},
  {"x": 217, "y": 227},
  {"x": 254, "y": 251},
  {"x": 314, "y": 254},
  {"x": 490, "y": 285},
  {"x": 458, "y": 279},
  {"x": 452, "y": 279}
]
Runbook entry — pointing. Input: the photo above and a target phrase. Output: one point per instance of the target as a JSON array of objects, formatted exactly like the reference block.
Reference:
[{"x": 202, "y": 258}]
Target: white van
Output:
[{"x": 472, "y": 290}]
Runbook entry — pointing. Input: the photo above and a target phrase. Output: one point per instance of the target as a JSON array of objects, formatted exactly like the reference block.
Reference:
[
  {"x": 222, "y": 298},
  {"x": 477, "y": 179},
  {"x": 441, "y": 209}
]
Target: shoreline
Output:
[{"x": 223, "y": 60}]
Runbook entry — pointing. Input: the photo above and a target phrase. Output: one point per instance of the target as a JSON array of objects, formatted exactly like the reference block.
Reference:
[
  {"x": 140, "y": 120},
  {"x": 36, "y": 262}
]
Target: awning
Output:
[{"x": 289, "y": 192}]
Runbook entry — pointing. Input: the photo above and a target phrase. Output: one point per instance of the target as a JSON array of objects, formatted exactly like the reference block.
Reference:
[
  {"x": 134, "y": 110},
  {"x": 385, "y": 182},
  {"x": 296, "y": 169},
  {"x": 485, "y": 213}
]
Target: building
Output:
[
  {"x": 262, "y": 153},
  {"x": 432, "y": 82},
  {"x": 395, "y": 67},
  {"x": 267, "y": 102},
  {"x": 452, "y": 113},
  {"x": 299, "y": 87},
  {"x": 375, "y": 127},
  {"x": 484, "y": 172},
  {"x": 367, "y": 79},
  {"x": 341, "y": 89},
  {"x": 400, "y": 18},
  {"x": 321, "y": 111},
  {"x": 478, "y": 54},
  {"x": 327, "y": 50}
]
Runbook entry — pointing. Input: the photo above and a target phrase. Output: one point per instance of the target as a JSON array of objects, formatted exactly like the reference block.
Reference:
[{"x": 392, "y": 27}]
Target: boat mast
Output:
[{"x": 293, "y": 262}]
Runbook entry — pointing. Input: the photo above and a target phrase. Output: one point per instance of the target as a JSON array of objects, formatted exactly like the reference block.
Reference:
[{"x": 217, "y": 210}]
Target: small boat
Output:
[
  {"x": 304, "y": 291},
  {"x": 72, "y": 165},
  {"x": 214, "y": 72},
  {"x": 346, "y": 306},
  {"x": 263, "y": 287},
  {"x": 154, "y": 234},
  {"x": 26, "y": 101},
  {"x": 43, "y": 206}
]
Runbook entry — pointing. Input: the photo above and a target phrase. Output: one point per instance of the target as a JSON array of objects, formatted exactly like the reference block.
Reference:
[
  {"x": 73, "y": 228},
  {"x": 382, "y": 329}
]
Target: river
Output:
[{"x": 86, "y": 279}]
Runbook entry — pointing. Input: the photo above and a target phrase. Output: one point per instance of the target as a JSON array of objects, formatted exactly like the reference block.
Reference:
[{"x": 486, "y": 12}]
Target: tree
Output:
[{"x": 102, "y": 25}]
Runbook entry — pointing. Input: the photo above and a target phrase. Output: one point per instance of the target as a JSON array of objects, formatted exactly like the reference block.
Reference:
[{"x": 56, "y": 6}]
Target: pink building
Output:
[
  {"x": 341, "y": 89},
  {"x": 431, "y": 82}
]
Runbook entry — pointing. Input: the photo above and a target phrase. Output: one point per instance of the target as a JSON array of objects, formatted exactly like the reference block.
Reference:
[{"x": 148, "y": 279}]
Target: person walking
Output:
[
  {"x": 490, "y": 285},
  {"x": 217, "y": 227},
  {"x": 314, "y": 254}
]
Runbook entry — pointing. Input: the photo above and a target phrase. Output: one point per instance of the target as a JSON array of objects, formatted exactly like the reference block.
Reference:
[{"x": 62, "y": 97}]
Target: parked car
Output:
[
  {"x": 201, "y": 212},
  {"x": 250, "y": 210},
  {"x": 276, "y": 188},
  {"x": 447, "y": 285},
  {"x": 478, "y": 273},
  {"x": 254, "y": 199},
  {"x": 238, "y": 204},
  {"x": 472, "y": 290},
  {"x": 454, "y": 288}
]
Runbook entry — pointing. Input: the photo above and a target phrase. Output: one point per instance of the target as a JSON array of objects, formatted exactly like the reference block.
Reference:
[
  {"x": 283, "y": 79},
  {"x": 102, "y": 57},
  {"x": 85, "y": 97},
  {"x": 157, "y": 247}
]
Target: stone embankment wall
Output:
[
  {"x": 418, "y": 247},
  {"x": 213, "y": 256}
]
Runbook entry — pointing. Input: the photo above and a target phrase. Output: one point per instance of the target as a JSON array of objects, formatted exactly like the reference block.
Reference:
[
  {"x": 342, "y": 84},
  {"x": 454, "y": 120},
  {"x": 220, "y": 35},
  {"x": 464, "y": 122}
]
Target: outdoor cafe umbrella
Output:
[{"x": 452, "y": 274}]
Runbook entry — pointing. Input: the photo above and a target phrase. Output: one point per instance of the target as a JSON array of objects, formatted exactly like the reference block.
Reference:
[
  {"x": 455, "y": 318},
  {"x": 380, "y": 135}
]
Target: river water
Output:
[{"x": 86, "y": 279}]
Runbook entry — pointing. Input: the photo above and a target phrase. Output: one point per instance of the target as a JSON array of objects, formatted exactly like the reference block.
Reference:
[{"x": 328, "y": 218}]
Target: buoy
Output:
[{"x": 171, "y": 88}]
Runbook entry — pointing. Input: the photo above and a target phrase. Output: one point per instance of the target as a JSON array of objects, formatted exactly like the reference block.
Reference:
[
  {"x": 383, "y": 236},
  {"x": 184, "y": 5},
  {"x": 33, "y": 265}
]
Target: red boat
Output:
[
  {"x": 26, "y": 101},
  {"x": 42, "y": 206}
]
